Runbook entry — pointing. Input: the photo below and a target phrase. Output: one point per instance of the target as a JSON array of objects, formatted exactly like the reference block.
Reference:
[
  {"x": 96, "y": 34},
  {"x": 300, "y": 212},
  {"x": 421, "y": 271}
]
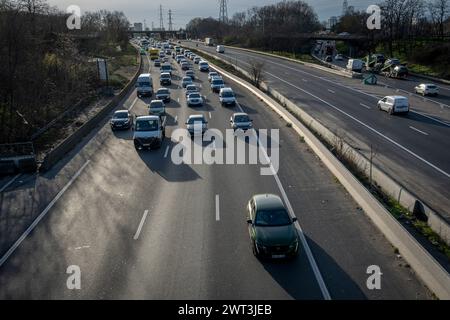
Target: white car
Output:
[
  {"x": 211, "y": 75},
  {"x": 190, "y": 88},
  {"x": 426, "y": 89},
  {"x": 157, "y": 108},
  {"x": 196, "y": 124},
  {"x": 241, "y": 121},
  {"x": 194, "y": 99},
  {"x": 220, "y": 49},
  {"x": 203, "y": 66},
  {"x": 394, "y": 104},
  {"x": 227, "y": 97}
]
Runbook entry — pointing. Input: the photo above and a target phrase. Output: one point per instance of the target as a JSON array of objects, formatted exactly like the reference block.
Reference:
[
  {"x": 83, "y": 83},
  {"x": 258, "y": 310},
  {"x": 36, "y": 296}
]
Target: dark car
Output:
[
  {"x": 165, "y": 79},
  {"x": 121, "y": 120},
  {"x": 157, "y": 63},
  {"x": 272, "y": 230}
]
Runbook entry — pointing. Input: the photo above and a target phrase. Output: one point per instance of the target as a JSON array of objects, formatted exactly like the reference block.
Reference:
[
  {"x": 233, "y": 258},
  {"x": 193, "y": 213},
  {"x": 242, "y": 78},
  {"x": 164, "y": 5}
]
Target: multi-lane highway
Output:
[
  {"x": 140, "y": 227},
  {"x": 413, "y": 149}
]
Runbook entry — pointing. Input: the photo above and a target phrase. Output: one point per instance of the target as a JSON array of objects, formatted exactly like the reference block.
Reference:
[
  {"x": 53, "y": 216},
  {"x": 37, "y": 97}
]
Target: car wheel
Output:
[
  {"x": 391, "y": 111},
  {"x": 379, "y": 107}
]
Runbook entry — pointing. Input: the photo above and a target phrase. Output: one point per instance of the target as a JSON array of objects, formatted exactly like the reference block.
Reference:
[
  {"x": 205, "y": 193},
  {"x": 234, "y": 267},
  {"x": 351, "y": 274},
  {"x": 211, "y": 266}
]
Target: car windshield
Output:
[
  {"x": 212, "y": 74},
  {"x": 144, "y": 84},
  {"x": 147, "y": 125},
  {"x": 163, "y": 91},
  {"x": 196, "y": 120},
  {"x": 121, "y": 115},
  {"x": 272, "y": 218},
  {"x": 187, "y": 79},
  {"x": 194, "y": 96},
  {"x": 227, "y": 94},
  {"x": 241, "y": 118}
]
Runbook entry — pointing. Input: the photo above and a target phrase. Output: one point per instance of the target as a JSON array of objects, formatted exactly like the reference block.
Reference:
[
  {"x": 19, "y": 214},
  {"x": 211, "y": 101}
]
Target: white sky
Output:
[{"x": 184, "y": 10}]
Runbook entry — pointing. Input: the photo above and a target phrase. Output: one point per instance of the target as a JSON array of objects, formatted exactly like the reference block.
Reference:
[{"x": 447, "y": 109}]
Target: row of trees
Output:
[
  {"x": 271, "y": 27},
  {"x": 403, "y": 22},
  {"x": 46, "y": 67}
]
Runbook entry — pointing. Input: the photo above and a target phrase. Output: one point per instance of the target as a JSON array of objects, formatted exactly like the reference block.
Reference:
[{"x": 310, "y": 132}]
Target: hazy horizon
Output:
[{"x": 184, "y": 11}]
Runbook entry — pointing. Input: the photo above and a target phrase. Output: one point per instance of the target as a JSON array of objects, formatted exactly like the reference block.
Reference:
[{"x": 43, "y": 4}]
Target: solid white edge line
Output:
[
  {"x": 10, "y": 182},
  {"x": 133, "y": 104},
  {"x": 41, "y": 215},
  {"x": 309, "y": 254},
  {"x": 420, "y": 131},
  {"x": 217, "y": 207},
  {"x": 141, "y": 224}
]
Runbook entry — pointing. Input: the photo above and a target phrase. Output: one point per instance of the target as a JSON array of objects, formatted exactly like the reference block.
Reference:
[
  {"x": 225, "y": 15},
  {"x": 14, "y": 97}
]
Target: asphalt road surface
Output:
[
  {"x": 140, "y": 227},
  {"x": 413, "y": 149}
]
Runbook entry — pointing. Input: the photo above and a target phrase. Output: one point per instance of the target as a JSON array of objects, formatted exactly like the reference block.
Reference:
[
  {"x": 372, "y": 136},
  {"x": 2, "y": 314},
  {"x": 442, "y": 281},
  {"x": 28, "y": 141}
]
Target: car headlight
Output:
[{"x": 294, "y": 245}]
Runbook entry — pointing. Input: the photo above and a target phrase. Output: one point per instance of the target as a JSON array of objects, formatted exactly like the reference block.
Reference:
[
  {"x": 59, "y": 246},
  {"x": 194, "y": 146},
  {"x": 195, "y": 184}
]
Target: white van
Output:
[
  {"x": 394, "y": 104},
  {"x": 355, "y": 65},
  {"x": 220, "y": 49},
  {"x": 144, "y": 85}
]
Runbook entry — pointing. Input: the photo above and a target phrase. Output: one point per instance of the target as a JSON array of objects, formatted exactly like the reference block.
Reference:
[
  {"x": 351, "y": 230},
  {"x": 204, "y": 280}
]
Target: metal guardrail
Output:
[{"x": 17, "y": 157}]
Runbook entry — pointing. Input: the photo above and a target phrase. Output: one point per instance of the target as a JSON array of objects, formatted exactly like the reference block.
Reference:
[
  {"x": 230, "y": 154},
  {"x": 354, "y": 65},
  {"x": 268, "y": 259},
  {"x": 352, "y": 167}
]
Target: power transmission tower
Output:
[
  {"x": 170, "y": 21},
  {"x": 345, "y": 7},
  {"x": 161, "y": 21},
  {"x": 223, "y": 11}
]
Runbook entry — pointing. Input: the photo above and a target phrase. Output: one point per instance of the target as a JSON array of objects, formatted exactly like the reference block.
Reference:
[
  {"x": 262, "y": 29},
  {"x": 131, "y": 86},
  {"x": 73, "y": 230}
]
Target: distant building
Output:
[
  {"x": 332, "y": 22},
  {"x": 138, "y": 26}
]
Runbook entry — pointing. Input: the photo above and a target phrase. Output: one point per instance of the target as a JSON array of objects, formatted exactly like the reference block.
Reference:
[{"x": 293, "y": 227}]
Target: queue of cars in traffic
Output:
[{"x": 272, "y": 230}]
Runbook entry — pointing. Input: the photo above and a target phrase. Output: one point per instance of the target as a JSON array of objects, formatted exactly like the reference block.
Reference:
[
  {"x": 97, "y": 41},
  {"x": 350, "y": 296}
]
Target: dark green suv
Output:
[{"x": 272, "y": 230}]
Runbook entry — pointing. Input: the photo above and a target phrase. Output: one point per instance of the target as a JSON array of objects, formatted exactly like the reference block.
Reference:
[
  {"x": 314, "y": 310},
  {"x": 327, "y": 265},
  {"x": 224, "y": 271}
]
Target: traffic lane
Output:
[
  {"x": 426, "y": 105},
  {"x": 396, "y": 162},
  {"x": 181, "y": 266},
  {"x": 80, "y": 219},
  {"x": 24, "y": 199},
  {"x": 408, "y": 85},
  {"x": 93, "y": 219},
  {"x": 435, "y": 198},
  {"x": 351, "y": 106},
  {"x": 327, "y": 213}
]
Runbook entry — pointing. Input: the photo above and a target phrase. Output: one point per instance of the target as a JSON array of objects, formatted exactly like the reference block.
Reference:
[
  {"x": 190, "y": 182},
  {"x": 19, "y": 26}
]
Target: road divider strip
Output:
[{"x": 426, "y": 267}]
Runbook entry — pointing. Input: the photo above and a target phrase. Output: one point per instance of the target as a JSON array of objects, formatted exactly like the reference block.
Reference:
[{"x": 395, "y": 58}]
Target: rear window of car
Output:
[
  {"x": 194, "y": 96},
  {"x": 156, "y": 104},
  {"x": 217, "y": 81},
  {"x": 163, "y": 91},
  {"x": 194, "y": 120}
]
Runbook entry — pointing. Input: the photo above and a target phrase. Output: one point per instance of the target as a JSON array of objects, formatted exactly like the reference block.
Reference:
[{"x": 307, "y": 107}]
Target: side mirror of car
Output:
[
  {"x": 249, "y": 222},
  {"x": 294, "y": 220}
]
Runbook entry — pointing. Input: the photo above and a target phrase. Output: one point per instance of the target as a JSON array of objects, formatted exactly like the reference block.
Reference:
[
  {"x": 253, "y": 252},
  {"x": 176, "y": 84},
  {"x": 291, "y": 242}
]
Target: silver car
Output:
[
  {"x": 241, "y": 121},
  {"x": 196, "y": 124}
]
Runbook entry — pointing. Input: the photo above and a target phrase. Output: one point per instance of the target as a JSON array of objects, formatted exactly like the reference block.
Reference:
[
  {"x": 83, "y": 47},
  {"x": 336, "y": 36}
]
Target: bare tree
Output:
[
  {"x": 439, "y": 12},
  {"x": 256, "y": 72}
]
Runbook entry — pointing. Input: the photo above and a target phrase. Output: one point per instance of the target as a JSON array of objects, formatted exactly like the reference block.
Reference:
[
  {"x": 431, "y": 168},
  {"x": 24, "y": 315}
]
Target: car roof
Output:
[
  {"x": 238, "y": 114},
  {"x": 147, "y": 118},
  {"x": 165, "y": 89},
  {"x": 268, "y": 202},
  {"x": 121, "y": 111},
  {"x": 226, "y": 89},
  {"x": 157, "y": 101},
  {"x": 145, "y": 75},
  {"x": 165, "y": 74},
  {"x": 196, "y": 116},
  {"x": 397, "y": 97}
]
